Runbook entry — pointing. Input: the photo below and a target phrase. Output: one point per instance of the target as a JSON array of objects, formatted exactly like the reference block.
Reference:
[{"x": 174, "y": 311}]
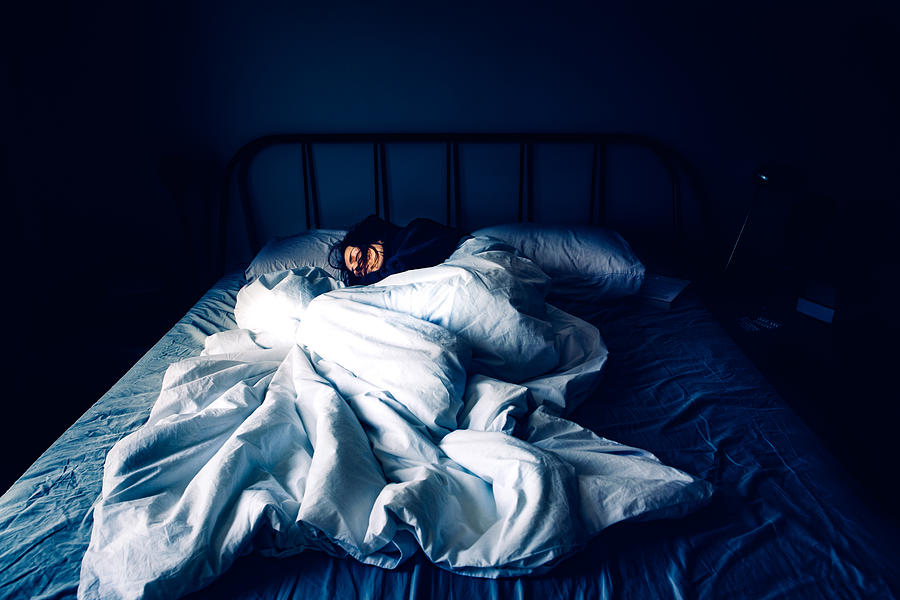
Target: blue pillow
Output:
[{"x": 586, "y": 264}]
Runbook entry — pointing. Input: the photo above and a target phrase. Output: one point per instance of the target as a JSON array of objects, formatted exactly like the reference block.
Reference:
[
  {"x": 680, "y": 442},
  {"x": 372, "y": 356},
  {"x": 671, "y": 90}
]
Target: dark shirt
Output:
[{"x": 422, "y": 243}]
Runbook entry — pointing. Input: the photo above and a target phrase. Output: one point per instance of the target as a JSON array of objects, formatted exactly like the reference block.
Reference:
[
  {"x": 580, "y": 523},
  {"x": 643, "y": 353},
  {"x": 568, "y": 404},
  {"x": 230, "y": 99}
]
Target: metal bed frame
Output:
[{"x": 239, "y": 165}]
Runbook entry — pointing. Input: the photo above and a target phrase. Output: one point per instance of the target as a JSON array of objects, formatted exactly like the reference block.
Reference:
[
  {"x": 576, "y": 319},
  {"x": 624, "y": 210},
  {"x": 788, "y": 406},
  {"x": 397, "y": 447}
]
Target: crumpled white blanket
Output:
[{"x": 423, "y": 412}]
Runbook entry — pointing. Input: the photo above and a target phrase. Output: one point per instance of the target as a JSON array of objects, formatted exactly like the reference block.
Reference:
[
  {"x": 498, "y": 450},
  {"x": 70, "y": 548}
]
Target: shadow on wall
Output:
[{"x": 192, "y": 182}]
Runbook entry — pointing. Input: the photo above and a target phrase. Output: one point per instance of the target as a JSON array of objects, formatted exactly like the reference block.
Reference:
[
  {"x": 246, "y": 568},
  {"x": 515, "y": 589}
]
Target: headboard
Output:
[{"x": 582, "y": 162}]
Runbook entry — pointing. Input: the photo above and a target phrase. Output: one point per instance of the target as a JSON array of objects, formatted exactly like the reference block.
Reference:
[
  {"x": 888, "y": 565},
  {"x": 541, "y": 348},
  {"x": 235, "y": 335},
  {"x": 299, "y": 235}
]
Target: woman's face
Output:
[{"x": 361, "y": 265}]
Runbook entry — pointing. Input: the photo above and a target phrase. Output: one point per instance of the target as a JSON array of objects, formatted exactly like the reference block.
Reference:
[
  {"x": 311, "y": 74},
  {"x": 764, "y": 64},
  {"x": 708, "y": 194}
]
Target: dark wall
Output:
[{"x": 121, "y": 119}]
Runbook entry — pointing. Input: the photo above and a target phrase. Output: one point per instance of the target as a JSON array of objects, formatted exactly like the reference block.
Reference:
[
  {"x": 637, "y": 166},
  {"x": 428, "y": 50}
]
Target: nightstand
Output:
[
  {"x": 814, "y": 367},
  {"x": 795, "y": 352}
]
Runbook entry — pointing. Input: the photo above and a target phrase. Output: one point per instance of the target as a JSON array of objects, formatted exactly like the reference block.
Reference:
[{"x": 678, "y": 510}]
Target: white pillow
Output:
[
  {"x": 309, "y": 249},
  {"x": 585, "y": 263}
]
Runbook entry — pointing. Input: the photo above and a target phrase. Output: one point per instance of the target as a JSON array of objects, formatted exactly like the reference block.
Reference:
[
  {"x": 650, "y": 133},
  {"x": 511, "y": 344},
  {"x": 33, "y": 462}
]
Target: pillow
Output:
[
  {"x": 585, "y": 263},
  {"x": 308, "y": 249}
]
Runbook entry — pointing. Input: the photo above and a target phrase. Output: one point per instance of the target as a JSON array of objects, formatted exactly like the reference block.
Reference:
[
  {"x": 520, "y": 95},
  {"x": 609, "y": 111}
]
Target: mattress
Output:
[{"x": 783, "y": 521}]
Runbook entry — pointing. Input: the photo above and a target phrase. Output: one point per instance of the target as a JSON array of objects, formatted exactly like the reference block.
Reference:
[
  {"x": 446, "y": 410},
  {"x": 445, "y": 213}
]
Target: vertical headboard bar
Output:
[
  {"x": 529, "y": 163},
  {"x": 314, "y": 188},
  {"x": 375, "y": 172},
  {"x": 306, "y": 190},
  {"x": 457, "y": 198},
  {"x": 448, "y": 169},
  {"x": 385, "y": 201},
  {"x": 521, "y": 181},
  {"x": 601, "y": 182}
]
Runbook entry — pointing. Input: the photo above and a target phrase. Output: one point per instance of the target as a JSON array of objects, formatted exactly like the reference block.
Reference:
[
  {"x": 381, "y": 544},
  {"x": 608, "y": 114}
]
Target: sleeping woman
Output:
[{"x": 374, "y": 248}]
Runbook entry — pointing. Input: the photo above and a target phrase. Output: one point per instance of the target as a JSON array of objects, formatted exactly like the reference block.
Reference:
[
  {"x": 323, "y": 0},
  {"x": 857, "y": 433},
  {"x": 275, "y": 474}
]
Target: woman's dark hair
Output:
[{"x": 363, "y": 235}]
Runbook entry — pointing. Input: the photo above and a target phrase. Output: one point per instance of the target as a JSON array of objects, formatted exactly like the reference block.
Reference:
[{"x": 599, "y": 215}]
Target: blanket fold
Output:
[{"x": 424, "y": 413}]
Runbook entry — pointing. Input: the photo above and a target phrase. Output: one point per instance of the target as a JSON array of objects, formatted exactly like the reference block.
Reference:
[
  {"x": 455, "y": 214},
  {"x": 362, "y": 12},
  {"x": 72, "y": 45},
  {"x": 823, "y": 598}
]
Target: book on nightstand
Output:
[
  {"x": 661, "y": 290},
  {"x": 818, "y": 301}
]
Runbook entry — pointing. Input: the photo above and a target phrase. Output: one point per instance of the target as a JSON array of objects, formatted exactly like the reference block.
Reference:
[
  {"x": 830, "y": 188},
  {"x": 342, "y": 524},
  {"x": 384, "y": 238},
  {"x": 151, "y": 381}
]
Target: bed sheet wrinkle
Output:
[
  {"x": 51, "y": 527},
  {"x": 368, "y": 363},
  {"x": 753, "y": 424},
  {"x": 852, "y": 554}
]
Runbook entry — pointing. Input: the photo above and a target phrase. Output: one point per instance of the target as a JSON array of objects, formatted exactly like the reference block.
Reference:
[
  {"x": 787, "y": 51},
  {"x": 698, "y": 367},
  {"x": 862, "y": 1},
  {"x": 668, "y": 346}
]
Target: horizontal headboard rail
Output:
[{"x": 237, "y": 171}]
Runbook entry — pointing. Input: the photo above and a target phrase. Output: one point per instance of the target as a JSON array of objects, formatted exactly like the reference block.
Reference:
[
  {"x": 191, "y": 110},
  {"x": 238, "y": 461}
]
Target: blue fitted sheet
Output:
[{"x": 784, "y": 520}]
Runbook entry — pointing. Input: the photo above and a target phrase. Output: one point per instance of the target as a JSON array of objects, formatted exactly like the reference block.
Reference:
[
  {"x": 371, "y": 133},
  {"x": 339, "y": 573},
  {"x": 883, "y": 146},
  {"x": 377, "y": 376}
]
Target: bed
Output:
[{"x": 780, "y": 519}]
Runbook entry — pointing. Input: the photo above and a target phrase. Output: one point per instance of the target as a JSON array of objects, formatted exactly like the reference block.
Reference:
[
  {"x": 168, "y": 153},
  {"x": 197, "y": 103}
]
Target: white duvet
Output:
[{"x": 423, "y": 412}]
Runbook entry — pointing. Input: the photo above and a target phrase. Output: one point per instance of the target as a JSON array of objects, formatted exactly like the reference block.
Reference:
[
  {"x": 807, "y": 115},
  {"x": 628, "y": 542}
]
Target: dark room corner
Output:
[{"x": 121, "y": 121}]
